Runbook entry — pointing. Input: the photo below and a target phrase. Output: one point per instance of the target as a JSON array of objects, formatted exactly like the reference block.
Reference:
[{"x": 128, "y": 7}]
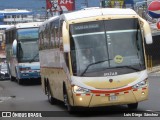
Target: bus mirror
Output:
[
  {"x": 147, "y": 31},
  {"x": 65, "y": 36},
  {"x": 148, "y": 38},
  {"x": 14, "y": 48}
]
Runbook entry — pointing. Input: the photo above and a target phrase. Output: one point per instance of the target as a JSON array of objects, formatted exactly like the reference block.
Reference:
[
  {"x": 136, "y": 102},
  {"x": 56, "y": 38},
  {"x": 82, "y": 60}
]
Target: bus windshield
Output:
[
  {"x": 28, "y": 45},
  {"x": 28, "y": 33},
  {"x": 28, "y": 51},
  {"x": 98, "y": 47}
]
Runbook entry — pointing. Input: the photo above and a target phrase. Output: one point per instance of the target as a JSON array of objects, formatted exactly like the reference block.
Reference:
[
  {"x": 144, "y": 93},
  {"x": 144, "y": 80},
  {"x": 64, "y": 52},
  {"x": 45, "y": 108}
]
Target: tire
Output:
[
  {"x": 2, "y": 77},
  {"x": 49, "y": 94},
  {"x": 133, "y": 106},
  {"x": 70, "y": 108},
  {"x": 11, "y": 78},
  {"x": 20, "y": 82}
]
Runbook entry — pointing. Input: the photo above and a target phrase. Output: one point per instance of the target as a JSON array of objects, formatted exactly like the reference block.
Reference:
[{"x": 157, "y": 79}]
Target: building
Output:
[{"x": 14, "y": 16}]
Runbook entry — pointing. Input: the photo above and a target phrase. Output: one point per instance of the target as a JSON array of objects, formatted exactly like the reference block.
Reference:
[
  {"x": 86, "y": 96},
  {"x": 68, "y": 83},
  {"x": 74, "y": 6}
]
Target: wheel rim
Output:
[{"x": 66, "y": 102}]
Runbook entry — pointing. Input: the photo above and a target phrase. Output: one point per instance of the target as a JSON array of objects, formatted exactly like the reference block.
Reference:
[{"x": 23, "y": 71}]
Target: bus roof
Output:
[
  {"x": 28, "y": 25},
  {"x": 10, "y": 27},
  {"x": 24, "y": 25},
  {"x": 48, "y": 21},
  {"x": 92, "y": 12}
]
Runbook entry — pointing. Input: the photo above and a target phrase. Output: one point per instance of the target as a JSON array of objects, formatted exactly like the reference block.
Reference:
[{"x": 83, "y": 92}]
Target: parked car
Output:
[{"x": 4, "y": 71}]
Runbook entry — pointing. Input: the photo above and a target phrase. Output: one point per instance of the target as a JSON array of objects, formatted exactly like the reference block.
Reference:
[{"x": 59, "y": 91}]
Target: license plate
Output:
[{"x": 113, "y": 98}]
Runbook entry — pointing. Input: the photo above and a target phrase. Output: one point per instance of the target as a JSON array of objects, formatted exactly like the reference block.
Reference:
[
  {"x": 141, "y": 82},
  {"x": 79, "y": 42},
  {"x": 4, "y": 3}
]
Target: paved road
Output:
[{"x": 30, "y": 97}]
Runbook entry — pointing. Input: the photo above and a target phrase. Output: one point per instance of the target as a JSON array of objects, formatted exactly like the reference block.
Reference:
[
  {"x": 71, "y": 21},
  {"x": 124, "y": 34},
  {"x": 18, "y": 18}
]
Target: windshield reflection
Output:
[
  {"x": 28, "y": 51},
  {"x": 108, "y": 41}
]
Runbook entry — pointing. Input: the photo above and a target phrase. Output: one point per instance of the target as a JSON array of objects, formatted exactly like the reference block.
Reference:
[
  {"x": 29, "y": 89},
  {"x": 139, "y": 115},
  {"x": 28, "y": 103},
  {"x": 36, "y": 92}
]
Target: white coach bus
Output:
[
  {"x": 95, "y": 57},
  {"x": 22, "y": 51}
]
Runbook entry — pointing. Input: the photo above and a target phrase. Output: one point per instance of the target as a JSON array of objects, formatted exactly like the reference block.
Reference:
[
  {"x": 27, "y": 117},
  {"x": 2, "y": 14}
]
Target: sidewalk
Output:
[{"x": 154, "y": 71}]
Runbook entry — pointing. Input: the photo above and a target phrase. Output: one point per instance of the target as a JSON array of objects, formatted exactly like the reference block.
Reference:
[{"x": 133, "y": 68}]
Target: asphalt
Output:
[{"x": 1, "y": 88}]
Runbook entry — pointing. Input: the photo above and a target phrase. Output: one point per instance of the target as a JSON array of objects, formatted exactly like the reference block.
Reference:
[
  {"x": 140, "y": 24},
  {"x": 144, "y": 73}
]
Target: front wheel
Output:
[
  {"x": 133, "y": 106},
  {"x": 50, "y": 98},
  {"x": 20, "y": 81},
  {"x": 11, "y": 78},
  {"x": 70, "y": 108}
]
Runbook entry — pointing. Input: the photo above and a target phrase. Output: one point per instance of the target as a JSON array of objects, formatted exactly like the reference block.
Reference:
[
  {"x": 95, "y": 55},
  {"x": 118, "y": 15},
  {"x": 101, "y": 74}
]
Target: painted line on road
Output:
[{"x": 3, "y": 99}]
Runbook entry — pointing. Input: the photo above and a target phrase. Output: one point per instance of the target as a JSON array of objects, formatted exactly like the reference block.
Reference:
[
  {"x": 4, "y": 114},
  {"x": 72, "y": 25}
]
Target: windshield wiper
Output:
[
  {"x": 91, "y": 65},
  {"x": 34, "y": 58},
  {"x": 130, "y": 67}
]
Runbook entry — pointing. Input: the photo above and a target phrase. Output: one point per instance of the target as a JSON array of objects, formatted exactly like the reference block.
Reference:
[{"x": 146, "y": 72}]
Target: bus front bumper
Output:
[
  {"x": 99, "y": 100},
  {"x": 31, "y": 75}
]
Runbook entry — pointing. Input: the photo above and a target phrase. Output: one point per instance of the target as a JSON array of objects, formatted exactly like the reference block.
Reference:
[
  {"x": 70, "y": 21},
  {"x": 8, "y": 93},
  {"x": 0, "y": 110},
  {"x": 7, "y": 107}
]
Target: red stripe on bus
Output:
[
  {"x": 88, "y": 94},
  {"x": 117, "y": 93},
  {"x": 126, "y": 92},
  {"x": 107, "y": 94},
  {"x": 112, "y": 91},
  {"x": 135, "y": 89},
  {"x": 97, "y": 94},
  {"x": 144, "y": 88},
  {"x": 78, "y": 94}
]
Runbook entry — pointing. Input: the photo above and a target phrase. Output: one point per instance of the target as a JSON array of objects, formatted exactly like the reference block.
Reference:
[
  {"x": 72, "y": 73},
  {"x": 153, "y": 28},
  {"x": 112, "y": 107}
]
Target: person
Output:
[{"x": 87, "y": 57}]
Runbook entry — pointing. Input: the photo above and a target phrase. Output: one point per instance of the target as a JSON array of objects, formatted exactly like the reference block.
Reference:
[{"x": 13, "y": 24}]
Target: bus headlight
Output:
[
  {"x": 78, "y": 89},
  {"x": 140, "y": 84}
]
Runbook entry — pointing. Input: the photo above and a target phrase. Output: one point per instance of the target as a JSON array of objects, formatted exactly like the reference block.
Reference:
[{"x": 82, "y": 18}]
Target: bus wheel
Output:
[
  {"x": 50, "y": 98},
  {"x": 11, "y": 78},
  {"x": 133, "y": 106},
  {"x": 20, "y": 82},
  {"x": 70, "y": 108}
]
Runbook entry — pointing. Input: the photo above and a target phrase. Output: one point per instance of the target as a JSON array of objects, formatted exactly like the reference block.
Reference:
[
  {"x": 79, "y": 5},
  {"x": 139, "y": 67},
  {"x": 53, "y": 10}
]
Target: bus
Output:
[
  {"x": 2, "y": 47},
  {"x": 2, "y": 37},
  {"x": 22, "y": 52},
  {"x": 94, "y": 58}
]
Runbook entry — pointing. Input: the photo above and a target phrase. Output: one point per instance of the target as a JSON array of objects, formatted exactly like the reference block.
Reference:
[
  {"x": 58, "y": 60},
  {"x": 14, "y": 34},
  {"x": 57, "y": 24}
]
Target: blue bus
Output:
[{"x": 22, "y": 51}]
